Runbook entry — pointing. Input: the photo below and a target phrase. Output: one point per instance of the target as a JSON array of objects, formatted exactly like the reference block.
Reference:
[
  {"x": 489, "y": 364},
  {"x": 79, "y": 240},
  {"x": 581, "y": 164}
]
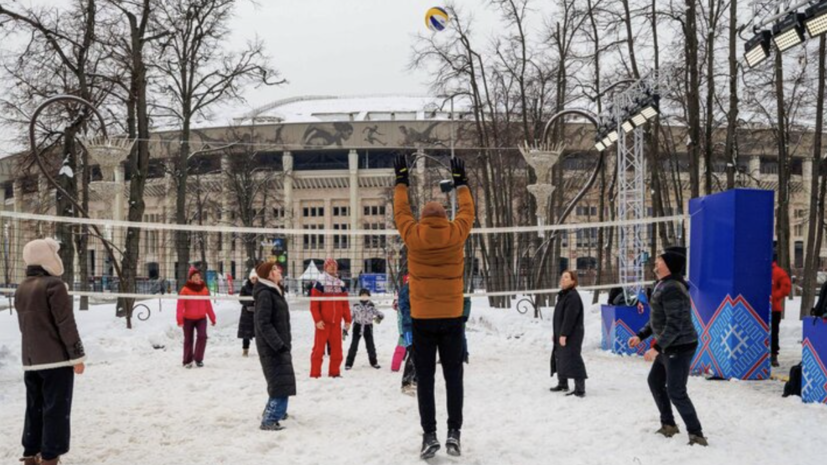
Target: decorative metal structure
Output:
[{"x": 542, "y": 157}]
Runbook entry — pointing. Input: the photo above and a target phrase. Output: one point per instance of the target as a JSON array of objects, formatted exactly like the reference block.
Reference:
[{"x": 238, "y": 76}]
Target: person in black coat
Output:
[
  {"x": 273, "y": 341},
  {"x": 566, "y": 358},
  {"x": 246, "y": 321}
]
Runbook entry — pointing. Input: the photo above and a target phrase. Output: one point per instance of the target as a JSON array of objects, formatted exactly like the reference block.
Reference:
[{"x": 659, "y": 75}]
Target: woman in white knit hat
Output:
[{"x": 52, "y": 353}]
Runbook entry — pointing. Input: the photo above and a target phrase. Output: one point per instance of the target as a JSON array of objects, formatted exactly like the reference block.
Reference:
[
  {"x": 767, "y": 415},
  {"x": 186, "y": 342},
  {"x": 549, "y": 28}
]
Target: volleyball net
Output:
[{"x": 502, "y": 264}]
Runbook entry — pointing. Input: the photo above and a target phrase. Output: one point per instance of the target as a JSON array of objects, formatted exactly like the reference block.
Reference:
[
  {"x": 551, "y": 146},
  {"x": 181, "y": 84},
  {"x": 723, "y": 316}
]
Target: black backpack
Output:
[{"x": 793, "y": 386}]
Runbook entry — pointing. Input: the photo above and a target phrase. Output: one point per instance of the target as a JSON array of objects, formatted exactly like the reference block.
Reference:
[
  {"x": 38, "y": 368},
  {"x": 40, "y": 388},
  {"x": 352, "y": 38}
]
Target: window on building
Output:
[{"x": 340, "y": 241}]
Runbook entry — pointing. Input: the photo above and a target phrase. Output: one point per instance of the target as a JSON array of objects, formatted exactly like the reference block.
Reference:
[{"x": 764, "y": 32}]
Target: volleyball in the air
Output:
[{"x": 436, "y": 19}]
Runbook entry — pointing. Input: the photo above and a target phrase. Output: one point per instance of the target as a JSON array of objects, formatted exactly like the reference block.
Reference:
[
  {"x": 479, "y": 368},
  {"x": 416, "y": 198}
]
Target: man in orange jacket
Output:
[
  {"x": 436, "y": 265},
  {"x": 328, "y": 316},
  {"x": 781, "y": 287}
]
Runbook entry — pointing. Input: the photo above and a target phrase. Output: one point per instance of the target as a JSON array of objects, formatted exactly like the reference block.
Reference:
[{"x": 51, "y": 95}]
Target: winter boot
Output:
[
  {"x": 348, "y": 367},
  {"x": 245, "y": 353},
  {"x": 375, "y": 365},
  {"x": 271, "y": 427},
  {"x": 579, "y": 388},
  {"x": 774, "y": 361},
  {"x": 452, "y": 444},
  {"x": 668, "y": 430},
  {"x": 199, "y": 364},
  {"x": 31, "y": 460},
  {"x": 50, "y": 462},
  {"x": 560, "y": 388},
  {"x": 430, "y": 445},
  {"x": 697, "y": 439},
  {"x": 576, "y": 393}
]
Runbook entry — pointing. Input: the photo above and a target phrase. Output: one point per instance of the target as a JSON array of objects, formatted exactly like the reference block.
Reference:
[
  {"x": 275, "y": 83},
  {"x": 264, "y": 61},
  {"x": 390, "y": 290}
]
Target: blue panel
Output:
[
  {"x": 813, "y": 360},
  {"x": 621, "y": 323},
  {"x": 730, "y": 275}
]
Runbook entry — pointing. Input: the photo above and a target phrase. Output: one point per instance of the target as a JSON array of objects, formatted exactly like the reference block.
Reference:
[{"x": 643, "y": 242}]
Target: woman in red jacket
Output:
[{"x": 192, "y": 316}]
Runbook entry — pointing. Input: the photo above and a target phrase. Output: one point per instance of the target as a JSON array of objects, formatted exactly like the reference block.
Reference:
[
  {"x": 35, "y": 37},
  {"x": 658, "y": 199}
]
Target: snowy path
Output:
[{"x": 137, "y": 405}]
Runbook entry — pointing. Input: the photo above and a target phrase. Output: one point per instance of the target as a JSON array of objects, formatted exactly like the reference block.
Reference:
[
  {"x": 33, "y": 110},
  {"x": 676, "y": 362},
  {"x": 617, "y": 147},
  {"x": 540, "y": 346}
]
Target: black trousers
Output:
[
  {"x": 359, "y": 331},
  {"x": 409, "y": 372},
  {"x": 446, "y": 337},
  {"x": 667, "y": 381},
  {"x": 48, "y": 411},
  {"x": 776, "y": 323},
  {"x": 245, "y": 343}
]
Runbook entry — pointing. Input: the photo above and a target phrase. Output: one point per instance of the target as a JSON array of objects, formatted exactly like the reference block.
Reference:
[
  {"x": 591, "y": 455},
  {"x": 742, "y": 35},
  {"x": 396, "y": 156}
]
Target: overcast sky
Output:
[{"x": 339, "y": 47}]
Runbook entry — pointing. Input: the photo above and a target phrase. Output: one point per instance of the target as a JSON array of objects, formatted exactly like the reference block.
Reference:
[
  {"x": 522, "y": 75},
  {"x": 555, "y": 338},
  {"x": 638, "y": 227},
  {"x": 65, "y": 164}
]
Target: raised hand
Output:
[
  {"x": 400, "y": 169},
  {"x": 458, "y": 172}
]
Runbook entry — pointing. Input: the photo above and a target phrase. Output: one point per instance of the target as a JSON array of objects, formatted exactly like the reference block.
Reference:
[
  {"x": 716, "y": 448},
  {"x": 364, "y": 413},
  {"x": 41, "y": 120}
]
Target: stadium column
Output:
[
  {"x": 287, "y": 166},
  {"x": 353, "y": 242},
  {"x": 754, "y": 170},
  {"x": 420, "y": 174},
  {"x": 225, "y": 215},
  {"x": 807, "y": 177}
]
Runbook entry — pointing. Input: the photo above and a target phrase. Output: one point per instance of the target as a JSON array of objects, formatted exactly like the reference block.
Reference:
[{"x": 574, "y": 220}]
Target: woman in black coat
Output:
[
  {"x": 246, "y": 321},
  {"x": 273, "y": 341},
  {"x": 566, "y": 358}
]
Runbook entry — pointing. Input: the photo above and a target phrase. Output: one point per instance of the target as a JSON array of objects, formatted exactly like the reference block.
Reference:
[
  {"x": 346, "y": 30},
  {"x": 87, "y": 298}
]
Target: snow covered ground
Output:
[{"x": 136, "y": 405}]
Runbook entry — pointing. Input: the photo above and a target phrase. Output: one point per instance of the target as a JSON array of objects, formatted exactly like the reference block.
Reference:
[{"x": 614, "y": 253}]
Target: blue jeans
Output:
[{"x": 275, "y": 410}]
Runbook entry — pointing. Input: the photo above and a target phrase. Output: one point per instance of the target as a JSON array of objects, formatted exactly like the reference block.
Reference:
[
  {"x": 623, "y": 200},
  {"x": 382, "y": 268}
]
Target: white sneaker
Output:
[{"x": 188, "y": 365}]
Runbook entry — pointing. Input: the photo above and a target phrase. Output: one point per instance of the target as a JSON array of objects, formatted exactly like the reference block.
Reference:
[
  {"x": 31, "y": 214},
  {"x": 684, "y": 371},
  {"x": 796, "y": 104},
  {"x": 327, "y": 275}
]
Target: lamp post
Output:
[
  {"x": 65, "y": 99},
  {"x": 542, "y": 156}
]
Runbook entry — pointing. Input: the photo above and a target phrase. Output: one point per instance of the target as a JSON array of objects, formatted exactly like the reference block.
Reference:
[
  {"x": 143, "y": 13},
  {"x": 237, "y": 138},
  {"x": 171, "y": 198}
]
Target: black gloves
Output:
[
  {"x": 458, "y": 172},
  {"x": 400, "y": 169}
]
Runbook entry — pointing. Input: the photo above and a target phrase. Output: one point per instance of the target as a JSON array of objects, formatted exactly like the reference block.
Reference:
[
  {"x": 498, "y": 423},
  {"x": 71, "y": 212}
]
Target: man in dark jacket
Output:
[
  {"x": 673, "y": 347},
  {"x": 52, "y": 353}
]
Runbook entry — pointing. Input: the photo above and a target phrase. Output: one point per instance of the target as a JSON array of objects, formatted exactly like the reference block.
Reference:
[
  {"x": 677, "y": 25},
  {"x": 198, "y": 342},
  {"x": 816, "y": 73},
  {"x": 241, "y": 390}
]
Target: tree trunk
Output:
[
  {"x": 783, "y": 214},
  {"x": 812, "y": 253},
  {"x": 64, "y": 207},
  {"x": 692, "y": 96},
  {"x": 730, "y": 154}
]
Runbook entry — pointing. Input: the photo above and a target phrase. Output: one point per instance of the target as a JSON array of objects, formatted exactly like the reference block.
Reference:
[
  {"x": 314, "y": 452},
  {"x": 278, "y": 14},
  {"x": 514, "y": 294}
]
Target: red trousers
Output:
[{"x": 331, "y": 334}]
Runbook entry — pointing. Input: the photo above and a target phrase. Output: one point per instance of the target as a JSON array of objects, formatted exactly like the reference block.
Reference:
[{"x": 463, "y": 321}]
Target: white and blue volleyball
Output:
[{"x": 436, "y": 19}]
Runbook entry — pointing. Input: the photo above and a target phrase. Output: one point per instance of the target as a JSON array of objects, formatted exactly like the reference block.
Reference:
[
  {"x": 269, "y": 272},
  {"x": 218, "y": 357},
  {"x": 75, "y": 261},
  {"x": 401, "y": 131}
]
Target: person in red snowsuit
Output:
[
  {"x": 781, "y": 288},
  {"x": 328, "y": 316}
]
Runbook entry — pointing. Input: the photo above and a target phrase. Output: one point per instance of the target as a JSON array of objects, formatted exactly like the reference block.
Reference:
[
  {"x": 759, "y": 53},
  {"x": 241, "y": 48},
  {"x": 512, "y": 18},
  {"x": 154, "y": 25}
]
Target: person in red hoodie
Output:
[
  {"x": 328, "y": 316},
  {"x": 192, "y": 316},
  {"x": 781, "y": 287}
]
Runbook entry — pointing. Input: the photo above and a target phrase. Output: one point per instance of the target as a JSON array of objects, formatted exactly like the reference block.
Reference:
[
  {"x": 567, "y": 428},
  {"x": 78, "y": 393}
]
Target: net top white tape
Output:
[{"x": 324, "y": 232}]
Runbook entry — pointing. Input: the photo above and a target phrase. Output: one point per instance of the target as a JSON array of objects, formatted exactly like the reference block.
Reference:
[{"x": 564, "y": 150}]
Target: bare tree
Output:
[
  {"x": 197, "y": 74},
  {"x": 61, "y": 57}
]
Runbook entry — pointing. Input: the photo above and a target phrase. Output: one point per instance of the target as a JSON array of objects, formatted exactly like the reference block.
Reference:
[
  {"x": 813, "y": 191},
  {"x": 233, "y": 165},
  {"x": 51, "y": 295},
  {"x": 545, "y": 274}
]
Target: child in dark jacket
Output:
[{"x": 364, "y": 314}]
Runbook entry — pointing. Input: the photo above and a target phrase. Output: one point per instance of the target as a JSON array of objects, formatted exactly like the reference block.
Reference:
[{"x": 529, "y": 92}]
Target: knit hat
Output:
[
  {"x": 434, "y": 209},
  {"x": 675, "y": 260},
  {"x": 253, "y": 274},
  {"x": 43, "y": 253},
  {"x": 193, "y": 270},
  {"x": 364, "y": 291},
  {"x": 263, "y": 270}
]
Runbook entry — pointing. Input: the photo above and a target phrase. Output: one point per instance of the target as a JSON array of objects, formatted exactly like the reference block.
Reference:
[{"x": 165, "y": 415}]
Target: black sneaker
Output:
[
  {"x": 348, "y": 367},
  {"x": 376, "y": 365},
  {"x": 576, "y": 394},
  {"x": 271, "y": 427},
  {"x": 430, "y": 446},
  {"x": 286, "y": 416},
  {"x": 199, "y": 364},
  {"x": 559, "y": 388},
  {"x": 452, "y": 445}
]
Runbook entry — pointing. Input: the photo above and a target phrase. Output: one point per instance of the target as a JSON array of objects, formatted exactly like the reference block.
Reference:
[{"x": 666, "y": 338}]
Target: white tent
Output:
[{"x": 311, "y": 273}]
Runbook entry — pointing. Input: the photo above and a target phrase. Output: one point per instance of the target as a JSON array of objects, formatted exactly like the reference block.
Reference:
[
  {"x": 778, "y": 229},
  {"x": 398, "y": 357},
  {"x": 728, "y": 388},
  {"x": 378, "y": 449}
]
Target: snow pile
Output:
[{"x": 135, "y": 404}]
